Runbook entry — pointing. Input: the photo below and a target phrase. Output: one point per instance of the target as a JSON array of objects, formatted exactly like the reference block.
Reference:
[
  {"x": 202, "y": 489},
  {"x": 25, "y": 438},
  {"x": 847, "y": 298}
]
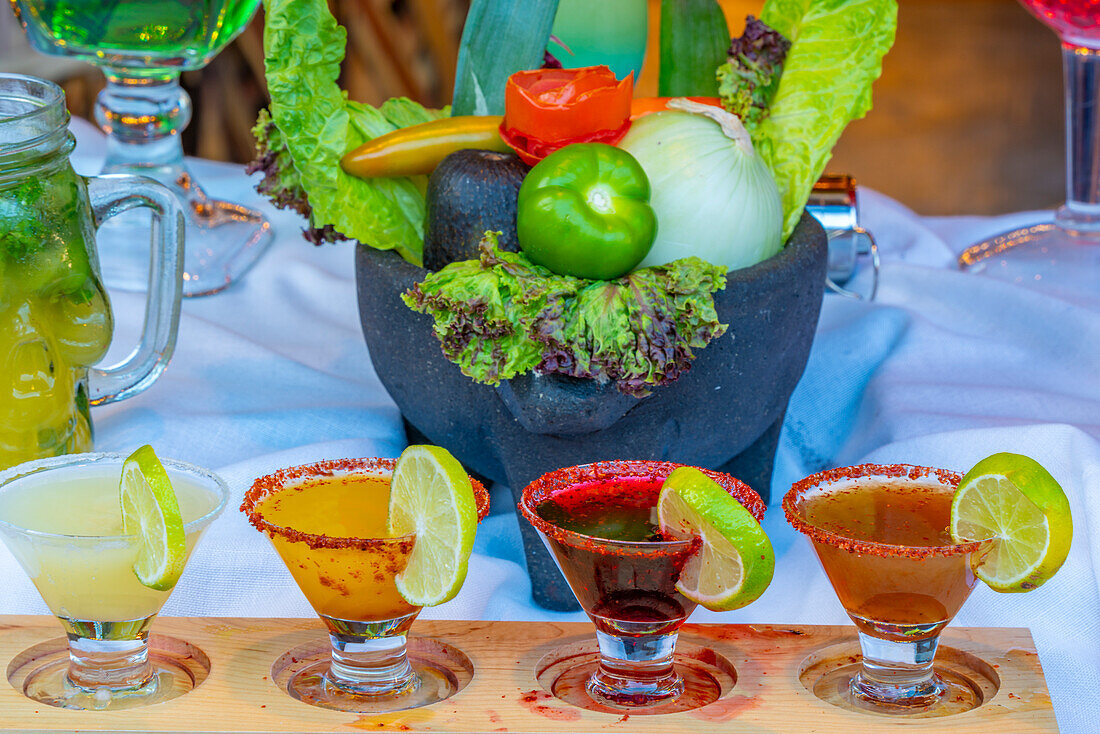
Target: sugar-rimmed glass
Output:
[
  {"x": 627, "y": 587},
  {"x": 51, "y": 512},
  {"x": 880, "y": 533},
  {"x": 349, "y": 582}
]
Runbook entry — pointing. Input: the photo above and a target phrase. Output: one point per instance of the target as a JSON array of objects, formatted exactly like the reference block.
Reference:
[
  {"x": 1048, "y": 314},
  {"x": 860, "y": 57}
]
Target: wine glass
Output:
[
  {"x": 1056, "y": 254},
  {"x": 142, "y": 46}
]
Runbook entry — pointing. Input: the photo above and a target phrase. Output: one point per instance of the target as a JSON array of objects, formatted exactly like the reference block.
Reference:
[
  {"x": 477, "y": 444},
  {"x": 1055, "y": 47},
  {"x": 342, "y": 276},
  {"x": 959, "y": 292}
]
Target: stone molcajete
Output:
[{"x": 724, "y": 414}]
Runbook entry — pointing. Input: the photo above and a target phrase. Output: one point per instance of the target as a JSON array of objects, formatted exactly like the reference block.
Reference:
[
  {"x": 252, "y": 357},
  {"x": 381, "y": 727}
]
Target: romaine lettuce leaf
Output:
[
  {"x": 303, "y": 48},
  {"x": 836, "y": 54}
]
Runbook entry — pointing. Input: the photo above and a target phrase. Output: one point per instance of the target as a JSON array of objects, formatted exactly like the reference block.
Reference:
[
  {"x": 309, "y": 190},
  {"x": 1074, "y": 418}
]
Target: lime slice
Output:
[
  {"x": 431, "y": 496},
  {"x": 150, "y": 511},
  {"x": 736, "y": 561},
  {"x": 1016, "y": 502}
]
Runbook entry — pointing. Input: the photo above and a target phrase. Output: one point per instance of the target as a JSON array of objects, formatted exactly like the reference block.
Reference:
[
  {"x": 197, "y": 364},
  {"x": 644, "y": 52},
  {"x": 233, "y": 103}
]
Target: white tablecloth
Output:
[{"x": 943, "y": 369}]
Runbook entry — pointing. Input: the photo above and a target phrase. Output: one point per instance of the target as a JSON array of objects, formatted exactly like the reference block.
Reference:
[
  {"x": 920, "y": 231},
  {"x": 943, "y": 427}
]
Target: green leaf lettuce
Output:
[{"x": 502, "y": 316}]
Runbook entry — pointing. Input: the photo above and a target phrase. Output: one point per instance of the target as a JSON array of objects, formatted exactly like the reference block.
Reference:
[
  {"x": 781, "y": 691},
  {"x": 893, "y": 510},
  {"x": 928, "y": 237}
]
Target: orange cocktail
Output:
[
  {"x": 329, "y": 522},
  {"x": 882, "y": 536},
  {"x": 349, "y": 580}
]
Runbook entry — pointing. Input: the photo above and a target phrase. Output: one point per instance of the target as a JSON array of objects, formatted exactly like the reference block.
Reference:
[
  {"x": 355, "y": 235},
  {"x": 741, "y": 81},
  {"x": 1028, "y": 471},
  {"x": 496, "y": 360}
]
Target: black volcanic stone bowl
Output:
[{"x": 724, "y": 413}]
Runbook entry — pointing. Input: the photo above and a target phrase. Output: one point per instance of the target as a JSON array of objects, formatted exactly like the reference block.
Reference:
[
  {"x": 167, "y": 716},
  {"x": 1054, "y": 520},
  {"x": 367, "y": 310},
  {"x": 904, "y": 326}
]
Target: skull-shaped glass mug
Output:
[{"x": 55, "y": 318}]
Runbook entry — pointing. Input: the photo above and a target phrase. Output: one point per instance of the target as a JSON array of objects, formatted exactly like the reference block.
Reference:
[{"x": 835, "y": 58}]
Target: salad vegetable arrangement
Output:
[{"x": 570, "y": 228}]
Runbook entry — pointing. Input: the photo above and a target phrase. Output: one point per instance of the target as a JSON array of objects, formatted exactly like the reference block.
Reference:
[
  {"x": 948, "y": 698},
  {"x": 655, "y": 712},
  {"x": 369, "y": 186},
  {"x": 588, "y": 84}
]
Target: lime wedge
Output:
[
  {"x": 431, "y": 496},
  {"x": 150, "y": 511},
  {"x": 736, "y": 561},
  {"x": 1016, "y": 502}
]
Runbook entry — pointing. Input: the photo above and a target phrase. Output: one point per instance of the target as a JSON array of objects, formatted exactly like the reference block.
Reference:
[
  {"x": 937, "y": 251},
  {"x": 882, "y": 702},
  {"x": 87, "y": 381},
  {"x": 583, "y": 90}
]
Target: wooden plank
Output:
[{"x": 239, "y": 694}]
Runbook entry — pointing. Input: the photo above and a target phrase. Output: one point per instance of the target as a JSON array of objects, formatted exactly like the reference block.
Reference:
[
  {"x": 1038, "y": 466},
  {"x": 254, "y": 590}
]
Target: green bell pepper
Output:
[{"x": 584, "y": 211}]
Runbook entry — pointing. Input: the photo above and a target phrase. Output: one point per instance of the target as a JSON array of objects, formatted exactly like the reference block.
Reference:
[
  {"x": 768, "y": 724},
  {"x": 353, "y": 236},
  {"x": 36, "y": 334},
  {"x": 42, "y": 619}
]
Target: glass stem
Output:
[
  {"x": 371, "y": 666},
  {"x": 143, "y": 118},
  {"x": 1080, "y": 215},
  {"x": 104, "y": 666},
  {"x": 895, "y": 672},
  {"x": 635, "y": 671}
]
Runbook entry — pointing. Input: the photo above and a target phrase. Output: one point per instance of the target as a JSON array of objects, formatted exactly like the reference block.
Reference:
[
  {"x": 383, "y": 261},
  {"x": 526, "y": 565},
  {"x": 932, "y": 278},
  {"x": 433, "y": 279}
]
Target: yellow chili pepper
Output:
[{"x": 418, "y": 149}]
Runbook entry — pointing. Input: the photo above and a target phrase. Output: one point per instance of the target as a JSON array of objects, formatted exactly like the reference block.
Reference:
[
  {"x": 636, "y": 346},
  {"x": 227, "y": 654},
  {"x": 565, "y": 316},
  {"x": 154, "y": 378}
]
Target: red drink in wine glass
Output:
[
  {"x": 1063, "y": 255},
  {"x": 1076, "y": 21}
]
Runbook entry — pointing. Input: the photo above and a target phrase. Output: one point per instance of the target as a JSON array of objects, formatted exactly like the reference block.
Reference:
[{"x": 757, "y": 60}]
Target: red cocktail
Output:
[
  {"x": 599, "y": 522},
  {"x": 882, "y": 535}
]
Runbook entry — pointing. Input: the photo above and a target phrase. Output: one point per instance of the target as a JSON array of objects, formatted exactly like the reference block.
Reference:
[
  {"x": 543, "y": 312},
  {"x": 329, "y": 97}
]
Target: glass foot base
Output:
[
  {"x": 567, "y": 670},
  {"x": 1041, "y": 257},
  {"x": 40, "y": 674},
  {"x": 967, "y": 683},
  {"x": 222, "y": 241},
  {"x": 951, "y": 694},
  {"x": 621, "y": 693},
  {"x": 442, "y": 671}
]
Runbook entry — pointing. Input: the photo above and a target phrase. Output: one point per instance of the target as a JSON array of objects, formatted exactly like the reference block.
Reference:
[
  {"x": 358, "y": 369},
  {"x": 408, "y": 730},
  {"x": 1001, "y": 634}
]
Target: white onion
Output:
[{"x": 713, "y": 195}]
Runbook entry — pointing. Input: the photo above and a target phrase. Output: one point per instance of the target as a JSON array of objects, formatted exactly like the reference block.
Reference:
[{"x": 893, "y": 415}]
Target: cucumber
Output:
[{"x": 694, "y": 42}]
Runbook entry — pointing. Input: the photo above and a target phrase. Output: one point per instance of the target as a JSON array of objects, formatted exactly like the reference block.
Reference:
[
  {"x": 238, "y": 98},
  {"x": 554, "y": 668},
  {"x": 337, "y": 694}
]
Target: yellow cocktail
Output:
[
  {"x": 74, "y": 548},
  {"x": 62, "y": 519}
]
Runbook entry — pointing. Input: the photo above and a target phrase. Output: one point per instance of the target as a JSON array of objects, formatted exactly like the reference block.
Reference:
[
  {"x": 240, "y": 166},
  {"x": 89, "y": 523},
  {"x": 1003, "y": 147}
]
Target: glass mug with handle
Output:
[{"x": 55, "y": 317}]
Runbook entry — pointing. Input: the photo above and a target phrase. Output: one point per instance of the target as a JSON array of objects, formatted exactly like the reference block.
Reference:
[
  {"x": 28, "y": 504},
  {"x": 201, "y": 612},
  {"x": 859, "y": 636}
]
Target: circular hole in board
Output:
[
  {"x": 970, "y": 681},
  {"x": 708, "y": 677},
  {"x": 444, "y": 670},
  {"x": 39, "y": 673}
]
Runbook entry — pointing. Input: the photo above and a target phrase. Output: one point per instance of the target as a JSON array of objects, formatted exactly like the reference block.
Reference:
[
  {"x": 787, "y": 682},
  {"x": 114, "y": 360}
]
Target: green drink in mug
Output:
[
  {"x": 55, "y": 316},
  {"x": 155, "y": 38}
]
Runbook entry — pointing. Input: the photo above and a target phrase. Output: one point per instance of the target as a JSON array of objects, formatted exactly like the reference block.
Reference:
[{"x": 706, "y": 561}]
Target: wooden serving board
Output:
[{"x": 505, "y": 693}]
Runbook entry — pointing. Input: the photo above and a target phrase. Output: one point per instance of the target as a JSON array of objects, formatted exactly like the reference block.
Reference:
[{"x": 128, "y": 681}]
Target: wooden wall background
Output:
[{"x": 967, "y": 118}]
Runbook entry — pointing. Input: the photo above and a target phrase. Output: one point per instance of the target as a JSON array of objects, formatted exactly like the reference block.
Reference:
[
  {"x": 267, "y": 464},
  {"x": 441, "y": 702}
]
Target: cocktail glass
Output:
[
  {"x": 1055, "y": 254},
  {"x": 61, "y": 519},
  {"x": 625, "y": 580},
  {"x": 327, "y": 521},
  {"x": 143, "y": 47},
  {"x": 881, "y": 534}
]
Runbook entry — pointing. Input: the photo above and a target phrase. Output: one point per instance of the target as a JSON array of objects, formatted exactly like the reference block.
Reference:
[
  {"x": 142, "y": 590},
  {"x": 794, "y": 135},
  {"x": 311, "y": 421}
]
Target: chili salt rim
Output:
[
  {"x": 869, "y": 547},
  {"x": 540, "y": 490},
  {"x": 270, "y": 484}
]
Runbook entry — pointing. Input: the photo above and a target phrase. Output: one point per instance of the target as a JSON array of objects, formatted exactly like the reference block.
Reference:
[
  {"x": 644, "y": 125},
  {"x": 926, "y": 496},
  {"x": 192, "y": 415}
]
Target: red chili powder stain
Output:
[
  {"x": 725, "y": 709},
  {"x": 703, "y": 654},
  {"x": 371, "y": 721},
  {"x": 363, "y": 723},
  {"x": 534, "y": 701},
  {"x": 623, "y": 719},
  {"x": 494, "y": 717}
]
